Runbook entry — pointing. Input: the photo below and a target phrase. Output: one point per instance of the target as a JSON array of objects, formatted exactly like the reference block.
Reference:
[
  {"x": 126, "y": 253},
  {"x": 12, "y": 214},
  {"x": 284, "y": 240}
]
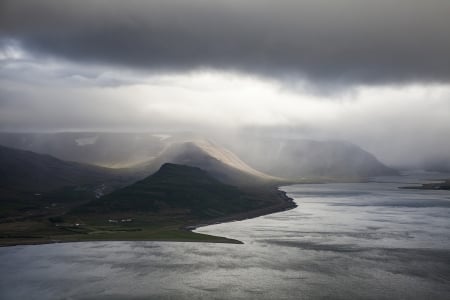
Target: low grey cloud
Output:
[
  {"x": 382, "y": 70},
  {"x": 340, "y": 41}
]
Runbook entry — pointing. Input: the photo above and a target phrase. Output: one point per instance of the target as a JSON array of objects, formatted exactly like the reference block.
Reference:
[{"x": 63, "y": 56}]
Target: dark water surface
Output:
[{"x": 344, "y": 241}]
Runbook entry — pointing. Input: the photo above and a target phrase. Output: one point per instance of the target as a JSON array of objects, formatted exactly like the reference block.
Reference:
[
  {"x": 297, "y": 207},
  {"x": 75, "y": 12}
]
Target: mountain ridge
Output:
[{"x": 218, "y": 161}]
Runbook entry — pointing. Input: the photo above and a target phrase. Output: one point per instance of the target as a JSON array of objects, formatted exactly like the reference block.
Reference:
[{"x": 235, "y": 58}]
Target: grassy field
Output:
[{"x": 97, "y": 228}]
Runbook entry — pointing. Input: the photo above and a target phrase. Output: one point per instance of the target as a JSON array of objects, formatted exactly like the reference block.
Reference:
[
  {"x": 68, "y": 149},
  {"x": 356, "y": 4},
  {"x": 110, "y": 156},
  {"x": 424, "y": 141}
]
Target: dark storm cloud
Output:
[{"x": 341, "y": 41}]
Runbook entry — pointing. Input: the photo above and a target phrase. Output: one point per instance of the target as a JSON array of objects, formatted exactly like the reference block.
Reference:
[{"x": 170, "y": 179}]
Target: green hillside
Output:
[
  {"x": 30, "y": 182},
  {"x": 185, "y": 189},
  {"x": 28, "y": 171}
]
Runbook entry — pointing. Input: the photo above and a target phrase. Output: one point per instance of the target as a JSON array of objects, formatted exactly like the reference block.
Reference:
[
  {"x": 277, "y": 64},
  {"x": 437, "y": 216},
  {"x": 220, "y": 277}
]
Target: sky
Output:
[{"x": 375, "y": 73}]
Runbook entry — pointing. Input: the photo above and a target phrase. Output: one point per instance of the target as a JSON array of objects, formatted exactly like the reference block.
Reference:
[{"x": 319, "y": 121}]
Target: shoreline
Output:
[
  {"x": 284, "y": 203},
  {"x": 216, "y": 240}
]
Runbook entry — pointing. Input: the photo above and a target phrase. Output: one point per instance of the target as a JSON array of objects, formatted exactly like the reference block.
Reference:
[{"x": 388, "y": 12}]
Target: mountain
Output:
[
  {"x": 184, "y": 190},
  {"x": 144, "y": 153},
  {"x": 30, "y": 182},
  {"x": 30, "y": 171},
  {"x": 108, "y": 149},
  {"x": 258, "y": 159},
  {"x": 300, "y": 158},
  {"x": 219, "y": 162}
]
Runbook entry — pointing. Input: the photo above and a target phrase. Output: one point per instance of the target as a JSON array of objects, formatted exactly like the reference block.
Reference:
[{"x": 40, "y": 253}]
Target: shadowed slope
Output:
[
  {"x": 179, "y": 189},
  {"x": 28, "y": 171}
]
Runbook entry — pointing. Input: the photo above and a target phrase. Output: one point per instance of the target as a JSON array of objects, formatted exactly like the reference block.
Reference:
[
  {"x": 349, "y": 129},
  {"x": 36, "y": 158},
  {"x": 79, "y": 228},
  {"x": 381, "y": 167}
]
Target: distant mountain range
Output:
[
  {"x": 298, "y": 159},
  {"x": 251, "y": 159}
]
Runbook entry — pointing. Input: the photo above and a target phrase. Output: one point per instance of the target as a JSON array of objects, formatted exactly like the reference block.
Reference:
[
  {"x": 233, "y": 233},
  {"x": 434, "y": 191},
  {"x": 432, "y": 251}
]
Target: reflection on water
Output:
[{"x": 344, "y": 241}]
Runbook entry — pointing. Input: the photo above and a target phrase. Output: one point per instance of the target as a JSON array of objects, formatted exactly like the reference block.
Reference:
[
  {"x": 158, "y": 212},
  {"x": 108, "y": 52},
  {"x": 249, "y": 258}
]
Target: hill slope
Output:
[
  {"x": 28, "y": 171},
  {"x": 217, "y": 161},
  {"x": 35, "y": 184},
  {"x": 181, "y": 189}
]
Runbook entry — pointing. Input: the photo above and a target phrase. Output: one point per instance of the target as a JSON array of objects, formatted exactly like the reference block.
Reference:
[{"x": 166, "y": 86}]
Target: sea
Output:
[{"x": 368, "y": 240}]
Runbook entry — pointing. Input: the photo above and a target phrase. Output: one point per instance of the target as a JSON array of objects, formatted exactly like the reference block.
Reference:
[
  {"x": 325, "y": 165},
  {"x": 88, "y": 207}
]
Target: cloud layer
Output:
[
  {"x": 340, "y": 41},
  {"x": 222, "y": 67}
]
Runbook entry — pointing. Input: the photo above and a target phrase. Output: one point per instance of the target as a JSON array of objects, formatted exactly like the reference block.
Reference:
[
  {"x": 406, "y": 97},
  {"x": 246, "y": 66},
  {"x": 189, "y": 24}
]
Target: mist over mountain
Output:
[
  {"x": 145, "y": 153},
  {"x": 253, "y": 159},
  {"x": 109, "y": 149},
  {"x": 302, "y": 158},
  {"x": 217, "y": 161}
]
